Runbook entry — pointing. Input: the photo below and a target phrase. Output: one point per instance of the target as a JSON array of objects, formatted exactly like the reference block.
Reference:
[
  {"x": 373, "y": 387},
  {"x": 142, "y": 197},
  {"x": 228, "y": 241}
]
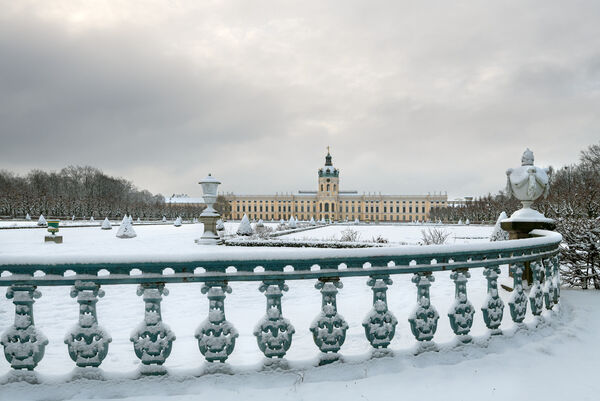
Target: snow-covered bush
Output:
[
  {"x": 459, "y": 222},
  {"x": 244, "y": 228},
  {"x": 580, "y": 253},
  {"x": 434, "y": 236},
  {"x": 73, "y": 218},
  {"x": 356, "y": 221},
  {"x": 380, "y": 240},
  {"x": 498, "y": 234},
  {"x": 467, "y": 222},
  {"x": 106, "y": 224},
  {"x": 28, "y": 217},
  {"x": 312, "y": 221},
  {"x": 138, "y": 220},
  {"x": 349, "y": 235},
  {"x": 177, "y": 222},
  {"x": 220, "y": 225},
  {"x": 292, "y": 222},
  {"x": 42, "y": 221},
  {"x": 164, "y": 219},
  {"x": 126, "y": 229},
  {"x": 260, "y": 223},
  {"x": 92, "y": 219}
]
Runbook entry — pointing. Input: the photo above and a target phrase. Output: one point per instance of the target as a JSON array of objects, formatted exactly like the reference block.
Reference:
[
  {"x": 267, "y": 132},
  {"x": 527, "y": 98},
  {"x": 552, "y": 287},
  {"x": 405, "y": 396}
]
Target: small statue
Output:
[{"x": 528, "y": 182}]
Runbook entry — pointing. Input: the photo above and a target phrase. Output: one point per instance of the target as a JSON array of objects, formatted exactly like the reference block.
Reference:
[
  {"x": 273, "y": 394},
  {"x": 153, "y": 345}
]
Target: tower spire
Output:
[{"x": 328, "y": 158}]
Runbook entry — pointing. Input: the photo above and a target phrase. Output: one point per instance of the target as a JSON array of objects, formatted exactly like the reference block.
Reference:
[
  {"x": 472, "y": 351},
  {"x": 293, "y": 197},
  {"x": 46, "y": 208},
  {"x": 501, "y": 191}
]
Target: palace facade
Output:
[{"x": 329, "y": 202}]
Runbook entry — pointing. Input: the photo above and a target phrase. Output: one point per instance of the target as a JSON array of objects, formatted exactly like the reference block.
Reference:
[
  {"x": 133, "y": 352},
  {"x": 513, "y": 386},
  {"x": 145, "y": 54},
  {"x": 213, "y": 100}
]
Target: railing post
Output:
[
  {"x": 556, "y": 279},
  {"x": 152, "y": 339},
  {"x": 87, "y": 342},
  {"x": 23, "y": 343},
  {"x": 380, "y": 323},
  {"x": 423, "y": 320},
  {"x": 329, "y": 327},
  {"x": 493, "y": 309},
  {"x": 548, "y": 284},
  {"x": 274, "y": 332},
  {"x": 536, "y": 295},
  {"x": 216, "y": 336},
  {"x": 518, "y": 299},
  {"x": 462, "y": 311}
]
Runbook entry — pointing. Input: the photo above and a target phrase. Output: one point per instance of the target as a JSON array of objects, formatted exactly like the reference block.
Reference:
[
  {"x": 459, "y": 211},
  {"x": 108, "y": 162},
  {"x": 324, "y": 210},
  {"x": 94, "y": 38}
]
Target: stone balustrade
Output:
[{"x": 88, "y": 343}]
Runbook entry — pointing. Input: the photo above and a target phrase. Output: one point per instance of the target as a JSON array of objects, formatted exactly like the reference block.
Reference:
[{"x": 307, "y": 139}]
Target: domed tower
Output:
[{"x": 328, "y": 190}]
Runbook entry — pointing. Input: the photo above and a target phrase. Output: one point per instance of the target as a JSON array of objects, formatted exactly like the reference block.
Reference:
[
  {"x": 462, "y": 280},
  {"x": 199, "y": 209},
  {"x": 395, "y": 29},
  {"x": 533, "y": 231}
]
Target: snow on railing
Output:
[{"x": 88, "y": 342}]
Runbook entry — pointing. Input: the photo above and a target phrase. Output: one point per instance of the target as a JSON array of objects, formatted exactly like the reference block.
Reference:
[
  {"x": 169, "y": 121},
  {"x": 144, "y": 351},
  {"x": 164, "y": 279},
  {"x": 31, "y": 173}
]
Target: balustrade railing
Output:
[{"x": 88, "y": 343}]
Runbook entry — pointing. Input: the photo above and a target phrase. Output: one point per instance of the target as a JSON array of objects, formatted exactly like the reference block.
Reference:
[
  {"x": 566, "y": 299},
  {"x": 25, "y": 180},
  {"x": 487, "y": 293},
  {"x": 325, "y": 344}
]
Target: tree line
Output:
[{"x": 82, "y": 191}]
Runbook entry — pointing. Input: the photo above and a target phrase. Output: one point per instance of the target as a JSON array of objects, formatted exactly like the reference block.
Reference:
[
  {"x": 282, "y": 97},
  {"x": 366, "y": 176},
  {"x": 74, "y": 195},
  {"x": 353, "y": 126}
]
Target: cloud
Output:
[{"x": 412, "y": 97}]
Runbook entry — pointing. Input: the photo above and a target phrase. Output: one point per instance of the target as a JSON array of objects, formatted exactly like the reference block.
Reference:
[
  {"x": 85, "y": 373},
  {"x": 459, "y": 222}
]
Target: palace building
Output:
[{"x": 329, "y": 202}]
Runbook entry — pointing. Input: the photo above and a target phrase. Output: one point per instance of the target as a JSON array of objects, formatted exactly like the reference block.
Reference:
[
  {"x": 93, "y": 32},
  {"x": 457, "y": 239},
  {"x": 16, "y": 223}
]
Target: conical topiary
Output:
[
  {"x": 244, "y": 228},
  {"x": 42, "y": 221},
  {"x": 106, "y": 224},
  {"x": 126, "y": 229},
  {"x": 177, "y": 222}
]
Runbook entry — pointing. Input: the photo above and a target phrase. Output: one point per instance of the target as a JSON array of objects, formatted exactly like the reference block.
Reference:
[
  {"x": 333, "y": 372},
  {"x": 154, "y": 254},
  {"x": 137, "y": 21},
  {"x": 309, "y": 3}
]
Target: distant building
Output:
[
  {"x": 329, "y": 202},
  {"x": 184, "y": 200}
]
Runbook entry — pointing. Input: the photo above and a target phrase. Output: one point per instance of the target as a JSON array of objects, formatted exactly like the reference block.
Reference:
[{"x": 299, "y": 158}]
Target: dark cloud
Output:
[{"x": 412, "y": 97}]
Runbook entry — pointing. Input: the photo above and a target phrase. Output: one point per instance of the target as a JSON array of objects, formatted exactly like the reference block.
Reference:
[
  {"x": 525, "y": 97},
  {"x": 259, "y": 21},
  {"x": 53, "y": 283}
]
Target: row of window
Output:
[
  {"x": 284, "y": 216},
  {"x": 325, "y": 207}
]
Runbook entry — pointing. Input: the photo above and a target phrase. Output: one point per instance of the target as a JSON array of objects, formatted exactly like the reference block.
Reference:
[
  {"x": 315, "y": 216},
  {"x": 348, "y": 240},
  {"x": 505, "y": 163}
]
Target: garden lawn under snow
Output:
[{"x": 557, "y": 360}]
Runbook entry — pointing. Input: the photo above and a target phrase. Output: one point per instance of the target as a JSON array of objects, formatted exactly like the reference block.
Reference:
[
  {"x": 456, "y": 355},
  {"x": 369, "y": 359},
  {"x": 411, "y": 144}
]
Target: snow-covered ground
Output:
[
  {"x": 558, "y": 360},
  {"x": 399, "y": 233}
]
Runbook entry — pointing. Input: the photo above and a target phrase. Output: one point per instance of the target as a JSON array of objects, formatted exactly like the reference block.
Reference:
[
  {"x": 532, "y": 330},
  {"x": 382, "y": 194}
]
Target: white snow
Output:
[
  {"x": 535, "y": 364},
  {"x": 126, "y": 229}
]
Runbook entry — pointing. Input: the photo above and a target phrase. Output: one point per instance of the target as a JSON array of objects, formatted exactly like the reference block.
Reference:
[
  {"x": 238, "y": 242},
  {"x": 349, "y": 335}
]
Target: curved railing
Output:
[{"x": 88, "y": 343}]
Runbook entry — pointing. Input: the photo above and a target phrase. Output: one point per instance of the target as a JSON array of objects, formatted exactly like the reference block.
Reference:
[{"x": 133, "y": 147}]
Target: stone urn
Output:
[{"x": 527, "y": 183}]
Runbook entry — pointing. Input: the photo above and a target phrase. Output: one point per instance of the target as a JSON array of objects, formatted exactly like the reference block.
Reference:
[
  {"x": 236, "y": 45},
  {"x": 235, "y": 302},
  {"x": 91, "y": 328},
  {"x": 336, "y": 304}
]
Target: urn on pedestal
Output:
[{"x": 209, "y": 215}]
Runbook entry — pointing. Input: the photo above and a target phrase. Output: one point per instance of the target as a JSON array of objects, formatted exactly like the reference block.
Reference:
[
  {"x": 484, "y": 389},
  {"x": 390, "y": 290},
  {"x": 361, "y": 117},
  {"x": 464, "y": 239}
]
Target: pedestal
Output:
[
  {"x": 210, "y": 236},
  {"x": 57, "y": 239},
  {"x": 518, "y": 229}
]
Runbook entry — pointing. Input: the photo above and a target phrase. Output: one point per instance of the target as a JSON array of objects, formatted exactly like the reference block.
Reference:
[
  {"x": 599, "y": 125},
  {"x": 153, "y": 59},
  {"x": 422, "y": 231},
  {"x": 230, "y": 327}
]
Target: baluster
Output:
[
  {"x": 380, "y": 323},
  {"x": 423, "y": 320},
  {"x": 152, "y": 339},
  {"x": 329, "y": 327},
  {"x": 274, "y": 332},
  {"x": 548, "y": 284},
  {"x": 556, "y": 279},
  {"x": 536, "y": 295},
  {"x": 518, "y": 299},
  {"x": 216, "y": 336},
  {"x": 462, "y": 311},
  {"x": 493, "y": 309},
  {"x": 87, "y": 342},
  {"x": 23, "y": 343}
]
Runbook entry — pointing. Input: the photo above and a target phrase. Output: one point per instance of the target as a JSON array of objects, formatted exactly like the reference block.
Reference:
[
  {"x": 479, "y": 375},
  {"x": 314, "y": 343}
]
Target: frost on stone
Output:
[
  {"x": 42, "y": 221},
  {"x": 106, "y": 224},
  {"x": 380, "y": 323},
  {"x": 423, "y": 319},
  {"x": 518, "y": 299},
  {"x": 126, "y": 229},
  {"x": 274, "y": 332},
  {"x": 177, "y": 222},
  {"x": 462, "y": 310},
  {"x": 24, "y": 345},
  {"x": 493, "y": 308},
  {"x": 329, "y": 327},
  {"x": 244, "y": 228},
  {"x": 87, "y": 342},
  {"x": 216, "y": 336},
  {"x": 152, "y": 339},
  {"x": 498, "y": 234}
]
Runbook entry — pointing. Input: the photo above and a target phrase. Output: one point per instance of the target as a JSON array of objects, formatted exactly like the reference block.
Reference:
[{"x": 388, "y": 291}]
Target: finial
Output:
[
  {"x": 527, "y": 158},
  {"x": 327, "y": 149}
]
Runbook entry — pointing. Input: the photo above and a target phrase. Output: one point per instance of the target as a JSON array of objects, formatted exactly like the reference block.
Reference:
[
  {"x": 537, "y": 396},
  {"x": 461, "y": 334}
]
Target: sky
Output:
[{"x": 413, "y": 97}]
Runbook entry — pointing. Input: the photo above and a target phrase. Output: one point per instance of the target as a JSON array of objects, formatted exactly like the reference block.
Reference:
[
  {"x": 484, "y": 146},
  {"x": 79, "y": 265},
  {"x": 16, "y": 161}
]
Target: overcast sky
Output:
[{"x": 412, "y": 96}]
